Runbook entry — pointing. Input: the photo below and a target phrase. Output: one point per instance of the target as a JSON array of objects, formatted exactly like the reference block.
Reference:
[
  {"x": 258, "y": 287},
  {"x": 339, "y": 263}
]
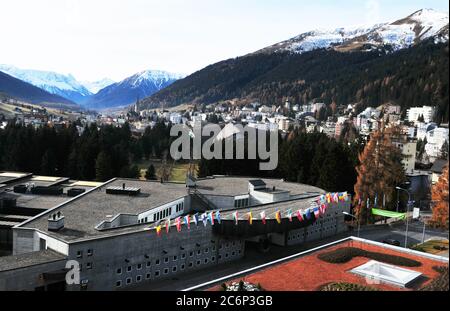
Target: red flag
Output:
[
  {"x": 263, "y": 217},
  {"x": 299, "y": 215},
  {"x": 167, "y": 225},
  {"x": 178, "y": 223}
]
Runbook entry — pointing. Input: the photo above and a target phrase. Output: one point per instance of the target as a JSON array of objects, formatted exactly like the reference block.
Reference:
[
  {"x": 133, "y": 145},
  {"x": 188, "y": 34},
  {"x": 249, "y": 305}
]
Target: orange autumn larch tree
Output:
[
  {"x": 379, "y": 172},
  {"x": 439, "y": 195}
]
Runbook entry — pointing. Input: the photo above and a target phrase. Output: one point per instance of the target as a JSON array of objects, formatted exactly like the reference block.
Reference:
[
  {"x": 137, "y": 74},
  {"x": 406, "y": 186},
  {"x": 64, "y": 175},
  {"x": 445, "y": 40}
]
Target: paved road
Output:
[
  {"x": 397, "y": 232},
  {"x": 253, "y": 258}
]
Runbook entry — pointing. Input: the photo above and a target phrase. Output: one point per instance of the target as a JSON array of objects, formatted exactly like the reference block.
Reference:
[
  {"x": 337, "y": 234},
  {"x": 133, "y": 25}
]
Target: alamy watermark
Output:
[{"x": 232, "y": 135}]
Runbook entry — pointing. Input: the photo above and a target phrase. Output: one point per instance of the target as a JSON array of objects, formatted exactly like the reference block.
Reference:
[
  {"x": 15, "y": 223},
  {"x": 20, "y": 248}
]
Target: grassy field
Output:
[
  {"x": 178, "y": 171},
  {"x": 432, "y": 246}
]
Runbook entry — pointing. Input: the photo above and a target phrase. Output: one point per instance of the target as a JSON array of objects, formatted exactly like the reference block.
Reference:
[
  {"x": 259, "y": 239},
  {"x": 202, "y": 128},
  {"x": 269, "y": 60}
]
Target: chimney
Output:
[
  {"x": 55, "y": 221},
  {"x": 123, "y": 186}
]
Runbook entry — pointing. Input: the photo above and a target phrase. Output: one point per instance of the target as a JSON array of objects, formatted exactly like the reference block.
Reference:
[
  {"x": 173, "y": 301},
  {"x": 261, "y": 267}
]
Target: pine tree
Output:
[
  {"x": 103, "y": 171},
  {"x": 379, "y": 172},
  {"x": 150, "y": 174},
  {"x": 48, "y": 163},
  {"x": 439, "y": 195}
]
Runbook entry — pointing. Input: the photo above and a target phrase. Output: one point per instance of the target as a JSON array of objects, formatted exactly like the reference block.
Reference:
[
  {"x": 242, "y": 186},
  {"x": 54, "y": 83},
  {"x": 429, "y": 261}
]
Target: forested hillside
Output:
[{"x": 410, "y": 77}]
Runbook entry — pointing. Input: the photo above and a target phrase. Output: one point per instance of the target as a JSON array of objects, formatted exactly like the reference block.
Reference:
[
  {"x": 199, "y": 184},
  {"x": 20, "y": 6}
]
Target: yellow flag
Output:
[{"x": 250, "y": 218}]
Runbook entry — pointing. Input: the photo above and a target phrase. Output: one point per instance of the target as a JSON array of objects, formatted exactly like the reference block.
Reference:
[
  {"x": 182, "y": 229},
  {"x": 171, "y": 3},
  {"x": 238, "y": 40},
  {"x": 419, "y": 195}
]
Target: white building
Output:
[
  {"x": 175, "y": 118},
  {"x": 435, "y": 140},
  {"x": 414, "y": 113},
  {"x": 424, "y": 128}
]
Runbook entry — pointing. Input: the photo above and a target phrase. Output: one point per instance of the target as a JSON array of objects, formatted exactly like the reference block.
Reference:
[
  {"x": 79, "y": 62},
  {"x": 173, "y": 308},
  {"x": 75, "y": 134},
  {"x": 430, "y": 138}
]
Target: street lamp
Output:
[
  {"x": 359, "y": 224},
  {"x": 407, "y": 211}
]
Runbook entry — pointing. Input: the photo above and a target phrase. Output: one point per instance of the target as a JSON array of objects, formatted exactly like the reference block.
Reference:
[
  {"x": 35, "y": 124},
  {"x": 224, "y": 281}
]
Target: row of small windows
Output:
[
  {"x": 89, "y": 253},
  {"x": 241, "y": 202},
  {"x": 180, "y": 207},
  {"x": 174, "y": 269},
  {"x": 163, "y": 214}
]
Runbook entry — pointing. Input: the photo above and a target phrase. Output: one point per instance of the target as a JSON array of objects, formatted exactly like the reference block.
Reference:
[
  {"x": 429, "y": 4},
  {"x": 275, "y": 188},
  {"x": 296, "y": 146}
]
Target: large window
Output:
[{"x": 241, "y": 202}]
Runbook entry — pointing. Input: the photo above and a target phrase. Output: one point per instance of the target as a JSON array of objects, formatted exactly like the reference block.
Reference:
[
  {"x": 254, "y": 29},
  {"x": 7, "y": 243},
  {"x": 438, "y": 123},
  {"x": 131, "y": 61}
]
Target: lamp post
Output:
[
  {"x": 359, "y": 223},
  {"x": 407, "y": 211}
]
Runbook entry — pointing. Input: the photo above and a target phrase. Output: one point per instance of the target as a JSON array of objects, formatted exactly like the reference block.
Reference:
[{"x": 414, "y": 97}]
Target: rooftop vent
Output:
[
  {"x": 55, "y": 221},
  {"x": 47, "y": 190},
  {"x": 191, "y": 181},
  {"x": 73, "y": 192},
  {"x": 256, "y": 184},
  {"x": 123, "y": 190}
]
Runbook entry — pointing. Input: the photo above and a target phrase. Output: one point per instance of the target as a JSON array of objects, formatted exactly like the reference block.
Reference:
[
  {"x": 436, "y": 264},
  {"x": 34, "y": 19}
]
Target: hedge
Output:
[
  {"x": 440, "y": 283},
  {"x": 345, "y": 254},
  {"x": 346, "y": 287}
]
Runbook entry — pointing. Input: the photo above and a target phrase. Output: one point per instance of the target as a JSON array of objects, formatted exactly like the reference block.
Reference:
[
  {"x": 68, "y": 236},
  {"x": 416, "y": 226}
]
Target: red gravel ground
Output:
[{"x": 309, "y": 273}]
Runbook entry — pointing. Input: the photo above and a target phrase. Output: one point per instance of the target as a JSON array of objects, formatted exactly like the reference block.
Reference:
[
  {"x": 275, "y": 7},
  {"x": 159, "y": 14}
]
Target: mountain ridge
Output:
[
  {"x": 270, "y": 75},
  {"x": 19, "y": 89}
]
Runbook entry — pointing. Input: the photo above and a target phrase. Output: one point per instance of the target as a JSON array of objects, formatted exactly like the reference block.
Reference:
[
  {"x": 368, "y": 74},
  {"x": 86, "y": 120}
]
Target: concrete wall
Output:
[
  {"x": 330, "y": 224},
  {"x": 130, "y": 260},
  {"x": 28, "y": 278}
]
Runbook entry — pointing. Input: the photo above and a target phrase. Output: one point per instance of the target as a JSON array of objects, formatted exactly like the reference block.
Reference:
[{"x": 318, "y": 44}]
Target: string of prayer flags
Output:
[
  {"x": 278, "y": 216},
  {"x": 263, "y": 217}
]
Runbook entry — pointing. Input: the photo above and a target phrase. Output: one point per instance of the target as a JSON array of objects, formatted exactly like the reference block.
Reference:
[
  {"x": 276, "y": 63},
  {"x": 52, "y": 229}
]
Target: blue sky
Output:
[{"x": 92, "y": 39}]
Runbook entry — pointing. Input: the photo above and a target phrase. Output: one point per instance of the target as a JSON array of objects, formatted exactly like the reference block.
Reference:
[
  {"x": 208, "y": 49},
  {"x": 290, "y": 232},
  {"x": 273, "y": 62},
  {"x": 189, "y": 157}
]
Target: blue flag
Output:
[
  {"x": 218, "y": 216},
  {"x": 308, "y": 214},
  {"x": 196, "y": 219}
]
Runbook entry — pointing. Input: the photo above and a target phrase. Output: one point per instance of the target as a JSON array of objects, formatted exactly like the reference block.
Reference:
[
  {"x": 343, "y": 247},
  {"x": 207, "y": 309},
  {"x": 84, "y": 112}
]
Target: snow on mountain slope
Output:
[
  {"x": 127, "y": 91},
  {"x": 52, "y": 82},
  {"x": 403, "y": 33},
  {"x": 95, "y": 86},
  {"x": 417, "y": 27}
]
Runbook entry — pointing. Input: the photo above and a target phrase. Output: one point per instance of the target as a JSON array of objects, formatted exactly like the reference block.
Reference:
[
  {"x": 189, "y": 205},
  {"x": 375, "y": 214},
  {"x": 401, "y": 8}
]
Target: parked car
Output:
[{"x": 391, "y": 242}]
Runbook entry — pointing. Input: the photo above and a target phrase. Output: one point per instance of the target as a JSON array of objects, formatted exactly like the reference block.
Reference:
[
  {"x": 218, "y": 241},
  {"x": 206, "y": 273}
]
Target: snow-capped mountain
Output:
[
  {"x": 126, "y": 92},
  {"x": 403, "y": 33},
  {"x": 55, "y": 83},
  {"x": 95, "y": 86}
]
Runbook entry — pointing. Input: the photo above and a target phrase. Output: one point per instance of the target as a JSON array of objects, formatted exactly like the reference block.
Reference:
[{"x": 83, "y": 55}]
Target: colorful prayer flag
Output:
[
  {"x": 204, "y": 219},
  {"x": 278, "y": 216},
  {"x": 196, "y": 219},
  {"x": 299, "y": 215},
  {"x": 316, "y": 212},
  {"x": 218, "y": 217},
  {"x": 187, "y": 221},
  {"x": 336, "y": 197},
  {"x": 289, "y": 213},
  {"x": 178, "y": 223},
  {"x": 250, "y": 218},
  {"x": 236, "y": 217},
  {"x": 167, "y": 225},
  {"x": 308, "y": 214},
  {"x": 211, "y": 218},
  {"x": 263, "y": 217},
  {"x": 158, "y": 230}
]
